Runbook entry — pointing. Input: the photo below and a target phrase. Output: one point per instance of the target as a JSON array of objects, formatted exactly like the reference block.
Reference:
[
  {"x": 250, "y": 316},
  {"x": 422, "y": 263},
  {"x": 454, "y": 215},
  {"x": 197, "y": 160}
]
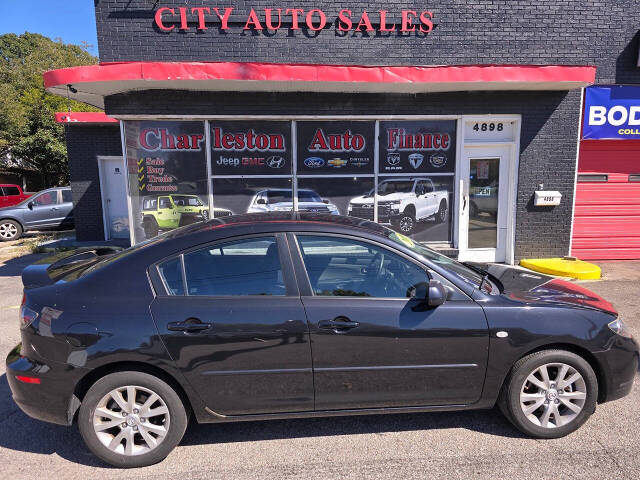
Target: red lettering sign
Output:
[
  {"x": 344, "y": 142},
  {"x": 154, "y": 139},
  {"x": 315, "y": 19}
]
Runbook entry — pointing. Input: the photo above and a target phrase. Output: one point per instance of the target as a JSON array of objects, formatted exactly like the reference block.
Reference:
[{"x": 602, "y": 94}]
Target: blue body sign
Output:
[{"x": 612, "y": 112}]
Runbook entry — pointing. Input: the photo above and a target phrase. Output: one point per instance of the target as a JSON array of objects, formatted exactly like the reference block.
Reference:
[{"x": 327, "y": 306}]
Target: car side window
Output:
[
  {"x": 66, "y": 196},
  {"x": 11, "y": 191},
  {"x": 171, "y": 273},
  {"x": 165, "y": 202},
  {"x": 242, "y": 267},
  {"x": 350, "y": 268},
  {"x": 47, "y": 198}
]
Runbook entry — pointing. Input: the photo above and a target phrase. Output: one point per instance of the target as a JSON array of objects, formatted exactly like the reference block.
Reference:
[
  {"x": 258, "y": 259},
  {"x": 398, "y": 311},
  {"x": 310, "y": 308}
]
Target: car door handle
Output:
[
  {"x": 190, "y": 325},
  {"x": 338, "y": 324}
]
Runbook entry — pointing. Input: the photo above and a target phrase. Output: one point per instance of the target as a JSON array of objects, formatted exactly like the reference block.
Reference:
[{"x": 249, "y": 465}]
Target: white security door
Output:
[
  {"x": 484, "y": 216},
  {"x": 114, "y": 197}
]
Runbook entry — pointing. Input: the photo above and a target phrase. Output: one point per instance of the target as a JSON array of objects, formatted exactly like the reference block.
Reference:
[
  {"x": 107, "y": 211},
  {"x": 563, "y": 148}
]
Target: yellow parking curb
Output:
[{"x": 563, "y": 267}]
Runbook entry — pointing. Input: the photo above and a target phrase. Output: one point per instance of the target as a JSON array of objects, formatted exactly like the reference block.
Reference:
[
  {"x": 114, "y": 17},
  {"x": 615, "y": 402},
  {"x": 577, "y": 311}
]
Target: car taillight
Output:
[{"x": 27, "y": 316}]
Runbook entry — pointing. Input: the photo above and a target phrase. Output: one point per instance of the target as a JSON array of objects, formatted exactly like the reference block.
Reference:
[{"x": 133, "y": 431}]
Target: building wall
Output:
[
  {"x": 548, "y": 137},
  {"x": 595, "y": 32},
  {"x": 84, "y": 145}
]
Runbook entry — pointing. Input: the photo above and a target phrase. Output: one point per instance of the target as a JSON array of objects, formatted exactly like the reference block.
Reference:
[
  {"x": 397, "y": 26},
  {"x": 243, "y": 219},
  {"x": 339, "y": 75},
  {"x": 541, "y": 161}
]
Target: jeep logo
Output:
[{"x": 275, "y": 161}]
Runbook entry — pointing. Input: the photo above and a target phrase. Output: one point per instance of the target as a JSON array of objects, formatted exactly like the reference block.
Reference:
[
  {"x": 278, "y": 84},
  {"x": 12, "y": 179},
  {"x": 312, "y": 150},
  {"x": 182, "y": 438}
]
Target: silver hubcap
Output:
[
  {"x": 553, "y": 395},
  {"x": 8, "y": 230},
  {"x": 406, "y": 224},
  {"x": 131, "y": 420}
]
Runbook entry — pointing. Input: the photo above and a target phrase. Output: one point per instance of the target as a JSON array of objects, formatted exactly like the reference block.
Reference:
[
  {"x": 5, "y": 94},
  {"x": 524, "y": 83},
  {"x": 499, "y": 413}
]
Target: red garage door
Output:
[{"x": 607, "y": 213}]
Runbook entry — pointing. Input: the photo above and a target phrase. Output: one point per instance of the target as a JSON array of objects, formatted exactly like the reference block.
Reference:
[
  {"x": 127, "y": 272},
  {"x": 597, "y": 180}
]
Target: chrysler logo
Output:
[{"x": 275, "y": 161}]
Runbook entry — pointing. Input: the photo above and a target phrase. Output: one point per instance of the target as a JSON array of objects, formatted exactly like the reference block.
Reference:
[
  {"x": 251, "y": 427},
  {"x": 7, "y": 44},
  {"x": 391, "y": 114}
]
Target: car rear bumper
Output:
[
  {"x": 52, "y": 400},
  {"x": 620, "y": 366}
]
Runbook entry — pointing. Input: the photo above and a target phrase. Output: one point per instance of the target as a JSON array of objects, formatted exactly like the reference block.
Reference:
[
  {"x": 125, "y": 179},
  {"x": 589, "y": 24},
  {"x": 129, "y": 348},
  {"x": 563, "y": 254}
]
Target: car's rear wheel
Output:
[
  {"x": 131, "y": 419},
  {"x": 550, "y": 394},
  {"x": 10, "y": 230},
  {"x": 441, "y": 214}
]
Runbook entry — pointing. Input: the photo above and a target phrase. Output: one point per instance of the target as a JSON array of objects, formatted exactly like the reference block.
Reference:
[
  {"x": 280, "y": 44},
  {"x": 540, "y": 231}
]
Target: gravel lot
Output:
[{"x": 444, "y": 445}]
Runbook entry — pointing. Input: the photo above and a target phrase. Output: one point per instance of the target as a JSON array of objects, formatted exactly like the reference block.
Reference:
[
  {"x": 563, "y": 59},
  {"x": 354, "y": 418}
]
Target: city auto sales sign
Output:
[{"x": 181, "y": 19}]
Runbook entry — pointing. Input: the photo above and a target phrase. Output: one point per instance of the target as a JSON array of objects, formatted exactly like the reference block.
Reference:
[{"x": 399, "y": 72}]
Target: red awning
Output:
[
  {"x": 90, "y": 84},
  {"x": 84, "y": 117}
]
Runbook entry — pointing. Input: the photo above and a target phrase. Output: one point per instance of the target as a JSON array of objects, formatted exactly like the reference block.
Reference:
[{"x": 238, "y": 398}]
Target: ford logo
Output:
[
  {"x": 275, "y": 162},
  {"x": 314, "y": 162}
]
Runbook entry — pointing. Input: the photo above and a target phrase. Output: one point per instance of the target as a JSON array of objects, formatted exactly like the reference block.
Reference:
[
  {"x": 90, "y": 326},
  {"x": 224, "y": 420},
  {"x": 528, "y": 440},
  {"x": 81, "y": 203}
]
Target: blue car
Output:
[{"x": 46, "y": 210}]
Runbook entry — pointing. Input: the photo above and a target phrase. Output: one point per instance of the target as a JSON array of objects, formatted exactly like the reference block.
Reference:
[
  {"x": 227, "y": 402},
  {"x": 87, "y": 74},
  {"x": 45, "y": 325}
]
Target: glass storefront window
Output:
[
  {"x": 167, "y": 175},
  {"x": 417, "y": 206},
  {"x": 252, "y": 171},
  {"x": 233, "y": 196}
]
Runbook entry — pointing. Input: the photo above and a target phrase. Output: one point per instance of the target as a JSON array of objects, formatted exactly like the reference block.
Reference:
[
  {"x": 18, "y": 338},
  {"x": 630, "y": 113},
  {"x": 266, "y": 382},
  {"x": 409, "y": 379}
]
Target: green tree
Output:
[{"x": 30, "y": 139}]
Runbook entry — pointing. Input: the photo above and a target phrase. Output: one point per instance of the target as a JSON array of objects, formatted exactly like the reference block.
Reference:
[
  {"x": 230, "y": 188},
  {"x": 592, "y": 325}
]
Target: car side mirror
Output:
[
  {"x": 437, "y": 294},
  {"x": 325, "y": 200},
  {"x": 261, "y": 201},
  {"x": 30, "y": 205}
]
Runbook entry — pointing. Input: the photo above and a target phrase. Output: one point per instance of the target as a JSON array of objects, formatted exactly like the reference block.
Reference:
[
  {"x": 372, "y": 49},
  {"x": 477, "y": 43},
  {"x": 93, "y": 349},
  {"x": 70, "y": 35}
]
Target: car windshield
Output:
[
  {"x": 186, "y": 201},
  {"x": 396, "y": 186},
  {"x": 461, "y": 271},
  {"x": 308, "y": 196},
  {"x": 278, "y": 196}
]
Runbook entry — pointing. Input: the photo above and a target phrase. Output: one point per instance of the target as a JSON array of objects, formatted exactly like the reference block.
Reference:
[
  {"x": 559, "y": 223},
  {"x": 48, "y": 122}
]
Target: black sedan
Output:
[{"x": 271, "y": 316}]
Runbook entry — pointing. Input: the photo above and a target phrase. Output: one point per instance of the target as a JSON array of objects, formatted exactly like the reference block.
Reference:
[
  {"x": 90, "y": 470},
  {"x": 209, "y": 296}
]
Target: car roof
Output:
[{"x": 289, "y": 220}]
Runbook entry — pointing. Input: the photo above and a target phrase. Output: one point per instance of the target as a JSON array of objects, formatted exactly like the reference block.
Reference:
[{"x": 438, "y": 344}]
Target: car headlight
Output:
[
  {"x": 619, "y": 328},
  {"x": 350, "y": 207}
]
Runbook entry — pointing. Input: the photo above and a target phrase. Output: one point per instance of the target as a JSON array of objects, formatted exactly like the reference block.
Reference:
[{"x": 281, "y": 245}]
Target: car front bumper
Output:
[
  {"x": 52, "y": 400},
  {"x": 619, "y": 365}
]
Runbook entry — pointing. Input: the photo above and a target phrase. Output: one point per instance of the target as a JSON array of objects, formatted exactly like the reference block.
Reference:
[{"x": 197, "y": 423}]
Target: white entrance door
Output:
[
  {"x": 114, "y": 197},
  {"x": 484, "y": 217}
]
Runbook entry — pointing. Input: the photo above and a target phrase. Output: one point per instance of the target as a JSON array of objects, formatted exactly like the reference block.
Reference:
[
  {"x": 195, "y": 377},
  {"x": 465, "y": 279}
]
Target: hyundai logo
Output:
[
  {"x": 275, "y": 161},
  {"x": 314, "y": 162}
]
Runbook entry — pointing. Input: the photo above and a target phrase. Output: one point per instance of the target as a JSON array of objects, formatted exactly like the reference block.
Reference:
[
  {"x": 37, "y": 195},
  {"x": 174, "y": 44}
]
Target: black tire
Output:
[
  {"x": 441, "y": 214},
  {"x": 10, "y": 230},
  {"x": 405, "y": 223},
  {"x": 509, "y": 401},
  {"x": 150, "y": 227},
  {"x": 177, "y": 414}
]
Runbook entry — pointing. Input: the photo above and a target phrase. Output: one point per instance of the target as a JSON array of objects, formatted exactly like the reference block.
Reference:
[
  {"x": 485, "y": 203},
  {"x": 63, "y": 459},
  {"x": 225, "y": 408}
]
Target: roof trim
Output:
[
  {"x": 92, "y": 83},
  {"x": 84, "y": 117}
]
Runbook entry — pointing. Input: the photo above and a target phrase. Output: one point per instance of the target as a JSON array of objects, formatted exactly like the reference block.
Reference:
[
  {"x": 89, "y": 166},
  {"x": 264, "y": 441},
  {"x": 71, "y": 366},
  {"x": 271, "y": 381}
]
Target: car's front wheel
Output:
[
  {"x": 10, "y": 230},
  {"x": 406, "y": 223},
  {"x": 550, "y": 394},
  {"x": 131, "y": 419}
]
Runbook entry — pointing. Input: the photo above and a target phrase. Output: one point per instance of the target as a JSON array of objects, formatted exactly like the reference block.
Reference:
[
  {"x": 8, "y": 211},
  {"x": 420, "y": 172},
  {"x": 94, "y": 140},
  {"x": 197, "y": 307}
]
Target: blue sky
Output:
[{"x": 71, "y": 20}]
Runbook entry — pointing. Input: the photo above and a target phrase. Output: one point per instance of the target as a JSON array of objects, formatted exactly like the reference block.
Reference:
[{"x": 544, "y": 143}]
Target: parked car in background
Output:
[
  {"x": 167, "y": 212},
  {"x": 281, "y": 200},
  {"x": 402, "y": 202},
  {"x": 289, "y": 315},
  {"x": 11, "y": 194},
  {"x": 46, "y": 210}
]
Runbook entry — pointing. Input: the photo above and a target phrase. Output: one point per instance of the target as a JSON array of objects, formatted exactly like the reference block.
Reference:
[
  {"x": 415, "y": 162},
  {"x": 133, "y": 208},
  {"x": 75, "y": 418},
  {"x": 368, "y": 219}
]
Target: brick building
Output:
[{"x": 442, "y": 119}]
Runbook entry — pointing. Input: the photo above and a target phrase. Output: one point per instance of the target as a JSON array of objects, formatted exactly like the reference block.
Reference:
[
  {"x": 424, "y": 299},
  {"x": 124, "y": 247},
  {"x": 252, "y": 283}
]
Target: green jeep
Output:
[{"x": 171, "y": 211}]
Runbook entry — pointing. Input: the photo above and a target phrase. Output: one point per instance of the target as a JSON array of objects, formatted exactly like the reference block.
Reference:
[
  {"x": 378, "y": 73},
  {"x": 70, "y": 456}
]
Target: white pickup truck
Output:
[{"x": 403, "y": 202}]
